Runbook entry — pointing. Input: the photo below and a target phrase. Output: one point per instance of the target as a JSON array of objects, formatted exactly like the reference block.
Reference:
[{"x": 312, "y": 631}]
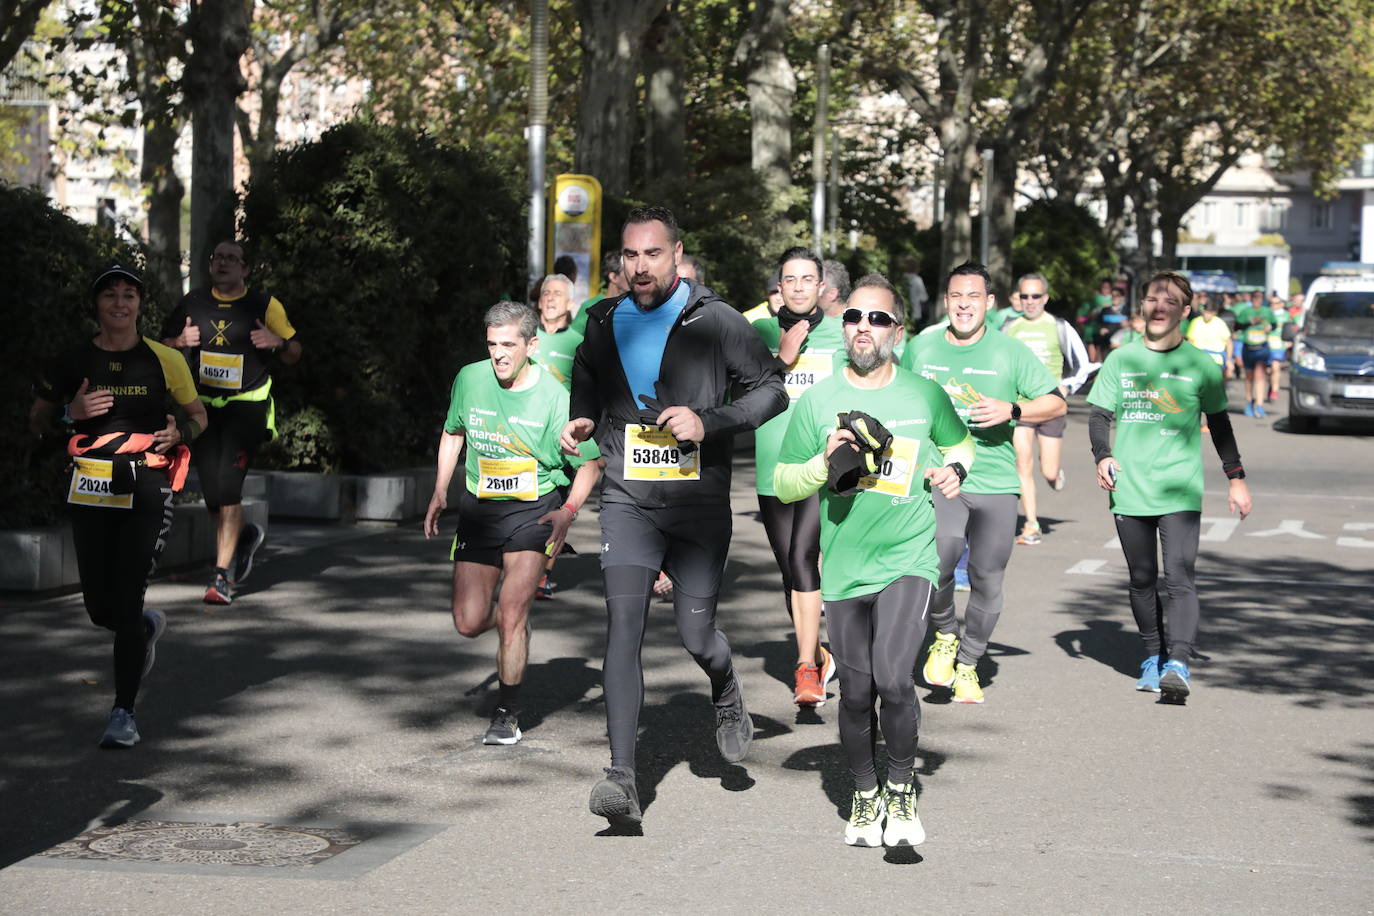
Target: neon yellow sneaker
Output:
[
  {"x": 939, "y": 666},
  {"x": 903, "y": 823},
  {"x": 865, "y": 827},
  {"x": 966, "y": 688}
]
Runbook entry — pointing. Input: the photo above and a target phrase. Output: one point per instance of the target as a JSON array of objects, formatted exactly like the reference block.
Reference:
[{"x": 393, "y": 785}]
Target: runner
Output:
[
  {"x": 1211, "y": 335},
  {"x": 994, "y": 382},
  {"x": 557, "y": 339},
  {"x": 1155, "y": 389},
  {"x": 128, "y": 456},
  {"x": 514, "y": 508},
  {"x": 1057, "y": 345},
  {"x": 614, "y": 285},
  {"x": 770, "y": 306},
  {"x": 810, "y": 348},
  {"x": 667, "y": 375},
  {"x": 1255, "y": 356},
  {"x": 878, "y": 535},
  {"x": 229, "y": 334}
]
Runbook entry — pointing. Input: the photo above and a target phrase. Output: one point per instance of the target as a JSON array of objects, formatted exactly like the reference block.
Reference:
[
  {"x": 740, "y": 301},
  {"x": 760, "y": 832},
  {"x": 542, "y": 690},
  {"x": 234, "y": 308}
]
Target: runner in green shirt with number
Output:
[
  {"x": 1156, "y": 389},
  {"x": 514, "y": 507}
]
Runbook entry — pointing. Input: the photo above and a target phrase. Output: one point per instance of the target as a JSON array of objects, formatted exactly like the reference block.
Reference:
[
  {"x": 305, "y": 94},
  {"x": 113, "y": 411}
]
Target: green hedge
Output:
[
  {"x": 53, "y": 259},
  {"x": 386, "y": 248}
]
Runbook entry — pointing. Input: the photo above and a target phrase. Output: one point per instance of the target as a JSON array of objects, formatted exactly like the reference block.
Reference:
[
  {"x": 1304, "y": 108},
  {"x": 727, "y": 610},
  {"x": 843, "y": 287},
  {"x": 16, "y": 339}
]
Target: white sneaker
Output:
[
  {"x": 865, "y": 827},
  {"x": 903, "y": 823}
]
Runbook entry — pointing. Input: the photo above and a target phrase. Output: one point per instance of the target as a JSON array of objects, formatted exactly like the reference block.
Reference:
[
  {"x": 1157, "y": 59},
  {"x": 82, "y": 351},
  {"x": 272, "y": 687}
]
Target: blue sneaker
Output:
[
  {"x": 1249, "y": 408},
  {"x": 1149, "y": 675},
  {"x": 1259, "y": 409},
  {"x": 1173, "y": 680},
  {"x": 960, "y": 579}
]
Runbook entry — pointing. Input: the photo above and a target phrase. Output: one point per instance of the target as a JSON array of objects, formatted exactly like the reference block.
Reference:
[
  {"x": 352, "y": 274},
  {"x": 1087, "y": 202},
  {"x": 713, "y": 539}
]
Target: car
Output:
[{"x": 1332, "y": 372}]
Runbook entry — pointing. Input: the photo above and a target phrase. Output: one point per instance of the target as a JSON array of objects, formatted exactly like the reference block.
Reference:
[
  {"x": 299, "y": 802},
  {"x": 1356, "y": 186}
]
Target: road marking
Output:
[
  {"x": 1293, "y": 526},
  {"x": 1356, "y": 542},
  {"x": 1087, "y": 568},
  {"x": 1218, "y": 529}
]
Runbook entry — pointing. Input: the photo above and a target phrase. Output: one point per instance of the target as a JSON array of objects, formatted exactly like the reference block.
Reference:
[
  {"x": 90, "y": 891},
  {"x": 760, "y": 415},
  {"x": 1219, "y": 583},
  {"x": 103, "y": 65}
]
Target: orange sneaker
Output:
[{"x": 810, "y": 691}]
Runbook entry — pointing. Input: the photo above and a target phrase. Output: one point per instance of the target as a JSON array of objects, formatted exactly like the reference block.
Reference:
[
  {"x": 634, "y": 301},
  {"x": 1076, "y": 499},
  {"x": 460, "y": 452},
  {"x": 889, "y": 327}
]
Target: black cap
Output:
[{"x": 119, "y": 271}]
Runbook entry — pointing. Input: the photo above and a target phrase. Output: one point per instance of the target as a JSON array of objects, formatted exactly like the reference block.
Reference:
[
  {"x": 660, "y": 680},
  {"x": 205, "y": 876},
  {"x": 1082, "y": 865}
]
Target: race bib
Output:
[
  {"x": 508, "y": 478},
  {"x": 221, "y": 370},
  {"x": 653, "y": 454},
  {"x": 809, "y": 369},
  {"x": 91, "y": 485},
  {"x": 897, "y": 470}
]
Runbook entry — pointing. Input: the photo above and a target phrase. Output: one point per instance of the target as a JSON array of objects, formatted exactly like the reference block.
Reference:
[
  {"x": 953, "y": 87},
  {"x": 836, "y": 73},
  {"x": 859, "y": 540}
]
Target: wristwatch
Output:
[{"x": 1015, "y": 411}]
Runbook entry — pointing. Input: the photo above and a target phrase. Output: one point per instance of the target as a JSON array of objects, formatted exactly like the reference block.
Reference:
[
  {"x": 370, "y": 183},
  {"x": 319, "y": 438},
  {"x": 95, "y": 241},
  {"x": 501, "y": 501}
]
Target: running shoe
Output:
[
  {"x": 865, "y": 827},
  {"x": 546, "y": 586},
  {"x": 504, "y": 728},
  {"x": 220, "y": 591},
  {"x": 966, "y": 687},
  {"x": 250, "y": 539},
  {"x": 616, "y": 799},
  {"x": 903, "y": 823},
  {"x": 1174, "y": 680},
  {"x": 734, "y": 728},
  {"x": 1249, "y": 408},
  {"x": 1273, "y": 396},
  {"x": 1149, "y": 675},
  {"x": 1059, "y": 481},
  {"x": 808, "y": 690},
  {"x": 120, "y": 730},
  {"x": 939, "y": 666},
  {"x": 1259, "y": 410},
  {"x": 154, "y": 622},
  {"x": 1030, "y": 535},
  {"x": 827, "y": 666},
  {"x": 960, "y": 580}
]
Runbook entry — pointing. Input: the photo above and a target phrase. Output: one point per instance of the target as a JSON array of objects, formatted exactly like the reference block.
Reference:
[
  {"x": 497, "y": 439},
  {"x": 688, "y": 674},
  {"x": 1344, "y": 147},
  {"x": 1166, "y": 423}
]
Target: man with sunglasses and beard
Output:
[
  {"x": 993, "y": 382},
  {"x": 878, "y": 538},
  {"x": 665, "y": 377}
]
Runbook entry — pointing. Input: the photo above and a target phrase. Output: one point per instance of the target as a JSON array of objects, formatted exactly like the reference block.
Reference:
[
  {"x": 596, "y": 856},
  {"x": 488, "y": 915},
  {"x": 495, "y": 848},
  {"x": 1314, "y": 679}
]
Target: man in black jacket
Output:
[{"x": 652, "y": 381}]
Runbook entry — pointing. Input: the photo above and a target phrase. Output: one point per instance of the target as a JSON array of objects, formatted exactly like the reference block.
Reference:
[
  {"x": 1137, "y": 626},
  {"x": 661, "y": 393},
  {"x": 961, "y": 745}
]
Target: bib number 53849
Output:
[{"x": 653, "y": 454}]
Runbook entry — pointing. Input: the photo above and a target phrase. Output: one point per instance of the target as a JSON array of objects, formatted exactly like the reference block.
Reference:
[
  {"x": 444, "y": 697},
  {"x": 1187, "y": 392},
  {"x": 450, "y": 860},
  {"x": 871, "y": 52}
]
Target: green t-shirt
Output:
[
  {"x": 1277, "y": 318},
  {"x": 1158, "y": 397},
  {"x": 821, "y": 356},
  {"x": 887, "y": 529},
  {"x": 996, "y": 366},
  {"x": 1042, "y": 336},
  {"x": 556, "y": 352},
  {"x": 512, "y": 436}
]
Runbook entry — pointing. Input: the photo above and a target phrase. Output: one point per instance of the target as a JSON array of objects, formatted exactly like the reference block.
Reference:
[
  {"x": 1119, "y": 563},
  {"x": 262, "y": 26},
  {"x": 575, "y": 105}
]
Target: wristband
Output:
[
  {"x": 188, "y": 429},
  {"x": 1235, "y": 473},
  {"x": 572, "y": 509},
  {"x": 67, "y": 417},
  {"x": 958, "y": 469}
]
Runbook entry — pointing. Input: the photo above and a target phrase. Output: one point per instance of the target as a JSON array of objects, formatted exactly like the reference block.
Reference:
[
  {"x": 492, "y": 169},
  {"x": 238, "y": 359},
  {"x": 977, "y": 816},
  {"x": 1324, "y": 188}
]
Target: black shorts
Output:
[
  {"x": 1251, "y": 357},
  {"x": 689, "y": 543},
  {"x": 488, "y": 528},
  {"x": 221, "y": 454},
  {"x": 1050, "y": 429}
]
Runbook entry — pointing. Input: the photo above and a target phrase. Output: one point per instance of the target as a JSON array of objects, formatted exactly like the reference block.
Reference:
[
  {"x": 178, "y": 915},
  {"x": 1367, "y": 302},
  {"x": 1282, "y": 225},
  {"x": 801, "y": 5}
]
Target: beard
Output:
[
  {"x": 656, "y": 292},
  {"x": 865, "y": 361}
]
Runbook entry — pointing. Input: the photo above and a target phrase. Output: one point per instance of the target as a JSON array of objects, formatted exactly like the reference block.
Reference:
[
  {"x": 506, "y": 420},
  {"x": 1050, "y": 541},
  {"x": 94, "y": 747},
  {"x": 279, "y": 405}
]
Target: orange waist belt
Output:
[{"x": 175, "y": 463}]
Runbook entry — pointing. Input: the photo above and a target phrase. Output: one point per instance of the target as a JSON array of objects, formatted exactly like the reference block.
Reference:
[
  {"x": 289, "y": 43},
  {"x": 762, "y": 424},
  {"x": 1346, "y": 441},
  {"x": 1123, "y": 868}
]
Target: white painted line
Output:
[
  {"x": 1087, "y": 568},
  {"x": 1356, "y": 542},
  {"x": 1293, "y": 526}
]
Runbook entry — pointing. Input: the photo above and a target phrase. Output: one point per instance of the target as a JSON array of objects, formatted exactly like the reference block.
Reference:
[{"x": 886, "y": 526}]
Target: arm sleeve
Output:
[
  {"x": 1100, "y": 432},
  {"x": 1224, "y": 439},
  {"x": 794, "y": 482},
  {"x": 1078, "y": 359},
  {"x": 962, "y": 452},
  {"x": 751, "y": 364},
  {"x": 276, "y": 320}
]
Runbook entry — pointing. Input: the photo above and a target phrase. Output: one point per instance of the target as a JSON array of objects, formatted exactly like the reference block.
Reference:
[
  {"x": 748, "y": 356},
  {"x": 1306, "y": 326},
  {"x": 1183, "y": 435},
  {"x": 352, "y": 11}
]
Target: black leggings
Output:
[
  {"x": 794, "y": 533},
  {"x": 222, "y": 452},
  {"x": 628, "y": 592},
  {"x": 116, "y": 552},
  {"x": 1178, "y": 537},
  {"x": 875, "y": 639},
  {"x": 988, "y": 521}
]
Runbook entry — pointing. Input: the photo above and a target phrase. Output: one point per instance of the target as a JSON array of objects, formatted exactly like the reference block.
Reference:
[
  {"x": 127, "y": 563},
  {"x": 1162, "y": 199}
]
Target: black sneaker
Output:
[
  {"x": 250, "y": 539},
  {"x": 220, "y": 591},
  {"x": 616, "y": 799},
  {"x": 504, "y": 728},
  {"x": 734, "y": 728},
  {"x": 120, "y": 730},
  {"x": 154, "y": 622}
]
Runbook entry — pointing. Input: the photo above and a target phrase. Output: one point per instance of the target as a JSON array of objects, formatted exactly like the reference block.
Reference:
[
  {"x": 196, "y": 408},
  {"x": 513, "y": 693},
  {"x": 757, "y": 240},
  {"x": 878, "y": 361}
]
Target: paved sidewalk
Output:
[{"x": 334, "y": 696}]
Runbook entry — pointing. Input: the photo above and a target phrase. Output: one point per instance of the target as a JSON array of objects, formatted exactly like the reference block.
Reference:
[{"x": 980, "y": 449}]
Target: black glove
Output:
[
  {"x": 845, "y": 465},
  {"x": 871, "y": 436},
  {"x": 656, "y": 407}
]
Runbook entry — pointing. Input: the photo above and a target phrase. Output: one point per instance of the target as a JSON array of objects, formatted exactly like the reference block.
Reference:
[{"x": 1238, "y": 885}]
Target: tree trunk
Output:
[
  {"x": 219, "y": 37},
  {"x": 956, "y": 175},
  {"x": 772, "y": 89},
  {"x": 1002, "y": 199},
  {"x": 665, "y": 140},
  {"x": 164, "y": 190},
  {"x": 612, "y": 41}
]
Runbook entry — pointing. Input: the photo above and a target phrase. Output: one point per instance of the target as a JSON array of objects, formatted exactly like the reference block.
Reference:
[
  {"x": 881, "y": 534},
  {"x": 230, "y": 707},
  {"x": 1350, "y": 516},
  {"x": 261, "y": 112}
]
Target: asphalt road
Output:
[{"x": 335, "y": 692}]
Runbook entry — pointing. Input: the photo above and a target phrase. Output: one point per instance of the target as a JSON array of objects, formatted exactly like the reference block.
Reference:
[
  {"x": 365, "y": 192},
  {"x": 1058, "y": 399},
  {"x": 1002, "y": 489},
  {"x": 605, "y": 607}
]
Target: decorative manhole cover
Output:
[{"x": 180, "y": 842}]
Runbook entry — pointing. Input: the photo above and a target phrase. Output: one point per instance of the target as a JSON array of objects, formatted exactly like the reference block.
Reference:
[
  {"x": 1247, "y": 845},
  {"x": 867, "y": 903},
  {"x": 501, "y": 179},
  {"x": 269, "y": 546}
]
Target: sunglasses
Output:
[{"x": 875, "y": 318}]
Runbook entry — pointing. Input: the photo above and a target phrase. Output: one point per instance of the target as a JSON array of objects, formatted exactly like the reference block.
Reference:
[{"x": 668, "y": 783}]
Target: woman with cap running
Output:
[{"x": 128, "y": 455}]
